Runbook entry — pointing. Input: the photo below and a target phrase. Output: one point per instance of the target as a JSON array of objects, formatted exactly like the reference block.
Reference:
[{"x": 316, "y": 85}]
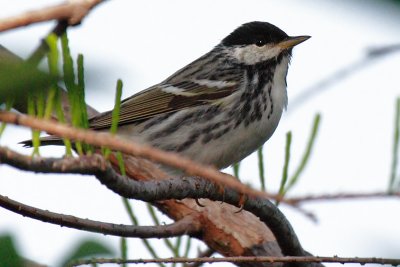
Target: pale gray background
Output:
[{"x": 143, "y": 42}]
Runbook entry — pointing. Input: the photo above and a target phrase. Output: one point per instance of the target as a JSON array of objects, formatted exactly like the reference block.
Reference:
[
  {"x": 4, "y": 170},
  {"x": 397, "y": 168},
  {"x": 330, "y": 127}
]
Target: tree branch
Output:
[
  {"x": 288, "y": 259},
  {"x": 202, "y": 254},
  {"x": 340, "y": 196},
  {"x": 185, "y": 226},
  {"x": 72, "y": 11},
  {"x": 151, "y": 191}
]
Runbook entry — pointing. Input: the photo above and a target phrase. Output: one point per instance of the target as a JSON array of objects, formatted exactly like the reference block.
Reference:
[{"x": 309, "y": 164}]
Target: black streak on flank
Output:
[
  {"x": 190, "y": 141},
  {"x": 270, "y": 101},
  {"x": 155, "y": 121}
]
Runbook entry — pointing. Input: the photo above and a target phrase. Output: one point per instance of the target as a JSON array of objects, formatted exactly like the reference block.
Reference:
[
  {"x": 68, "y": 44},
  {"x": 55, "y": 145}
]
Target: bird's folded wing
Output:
[{"x": 166, "y": 98}]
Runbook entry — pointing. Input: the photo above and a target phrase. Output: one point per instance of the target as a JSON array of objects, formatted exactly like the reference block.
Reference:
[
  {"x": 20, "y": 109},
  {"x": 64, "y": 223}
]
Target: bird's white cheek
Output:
[{"x": 253, "y": 54}]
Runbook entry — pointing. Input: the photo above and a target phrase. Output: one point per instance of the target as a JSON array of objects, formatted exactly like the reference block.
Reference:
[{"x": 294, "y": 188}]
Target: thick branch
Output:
[
  {"x": 72, "y": 11},
  {"x": 187, "y": 225}
]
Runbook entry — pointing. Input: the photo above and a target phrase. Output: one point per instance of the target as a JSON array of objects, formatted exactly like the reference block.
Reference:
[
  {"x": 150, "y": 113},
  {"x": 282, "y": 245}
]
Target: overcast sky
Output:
[{"x": 143, "y": 42}]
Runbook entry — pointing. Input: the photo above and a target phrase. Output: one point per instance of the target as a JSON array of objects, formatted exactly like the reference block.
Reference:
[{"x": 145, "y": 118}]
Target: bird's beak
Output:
[{"x": 292, "y": 41}]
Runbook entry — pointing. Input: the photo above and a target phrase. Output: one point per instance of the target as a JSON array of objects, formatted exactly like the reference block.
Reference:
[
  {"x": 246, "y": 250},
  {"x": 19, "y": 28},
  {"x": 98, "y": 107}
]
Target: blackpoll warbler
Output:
[{"x": 219, "y": 108}]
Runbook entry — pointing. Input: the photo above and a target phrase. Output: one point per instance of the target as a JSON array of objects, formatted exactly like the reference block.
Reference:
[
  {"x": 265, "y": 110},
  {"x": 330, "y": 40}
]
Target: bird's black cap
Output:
[{"x": 253, "y": 33}]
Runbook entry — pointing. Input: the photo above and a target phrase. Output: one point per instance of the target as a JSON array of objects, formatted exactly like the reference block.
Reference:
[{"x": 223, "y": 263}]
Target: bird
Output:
[{"x": 218, "y": 109}]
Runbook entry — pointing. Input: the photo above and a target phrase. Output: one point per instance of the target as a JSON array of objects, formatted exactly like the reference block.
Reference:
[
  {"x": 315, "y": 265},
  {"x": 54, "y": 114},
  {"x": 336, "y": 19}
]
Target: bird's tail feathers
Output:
[{"x": 50, "y": 140}]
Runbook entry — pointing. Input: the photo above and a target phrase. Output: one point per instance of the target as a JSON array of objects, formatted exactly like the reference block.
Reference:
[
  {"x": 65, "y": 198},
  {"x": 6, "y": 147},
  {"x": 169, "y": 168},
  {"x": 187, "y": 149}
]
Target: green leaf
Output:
[
  {"x": 87, "y": 249},
  {"x": 8, "y": 253},
  {"x": 19, "y": 78}
]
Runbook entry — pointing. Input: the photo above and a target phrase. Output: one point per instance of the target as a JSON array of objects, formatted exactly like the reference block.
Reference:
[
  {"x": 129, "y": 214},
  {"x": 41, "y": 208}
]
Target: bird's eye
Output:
[{"x": 260, "y": 43}]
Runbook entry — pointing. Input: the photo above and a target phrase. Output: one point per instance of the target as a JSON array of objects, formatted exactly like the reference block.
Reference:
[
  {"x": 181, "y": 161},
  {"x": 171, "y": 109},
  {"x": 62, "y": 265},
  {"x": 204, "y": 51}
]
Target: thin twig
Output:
[
  {"x": 203, "y": 254},
  {"x": 308, "y": 259},
  {"x": 340, "y": 196},
  {"x": 43, "y": 48},
  {"x": 73, "y": 11}
]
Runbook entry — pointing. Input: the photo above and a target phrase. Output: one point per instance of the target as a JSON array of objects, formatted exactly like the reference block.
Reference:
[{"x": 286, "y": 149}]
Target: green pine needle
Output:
[
  {"x": 286, "y": 164},
  {"x": 50, "y": 102},
  {"x": 72, "y": 88},
  {"x": 54, "y": 101},
  {"x": 115, "y": 115},
  {"x": 61, "y": 118},
  {"x": 261, "y": 172},
  {"x": 9, "y": 104},
  {"x": 306, "y": 156},
  {"x": 35, "y": 133},
  {"x": 135, "y": 222},
  {"x": 81, "y": 92},
  {"x": 187, "y": 247},
  {"x": 156, "y": 221},
  {"x": 395, "y": 150},
  {"x": 68, "y": 67},
  {"x": 52, "y": 55},
  {"x": 124, "y": 250},
  {"x": 117, "y": 107},
  {"x": 121, "y": 163},
  {"x": 153, "y": 214},
  {"x": 236, "y": 168}
]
